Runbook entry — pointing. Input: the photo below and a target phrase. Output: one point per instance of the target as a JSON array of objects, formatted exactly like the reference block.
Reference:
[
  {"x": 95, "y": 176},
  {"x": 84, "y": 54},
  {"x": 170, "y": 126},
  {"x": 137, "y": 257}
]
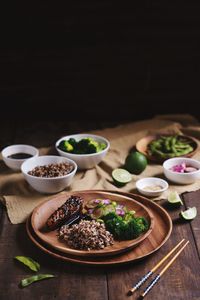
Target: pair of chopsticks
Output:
[{"x": 152, "y": 271}]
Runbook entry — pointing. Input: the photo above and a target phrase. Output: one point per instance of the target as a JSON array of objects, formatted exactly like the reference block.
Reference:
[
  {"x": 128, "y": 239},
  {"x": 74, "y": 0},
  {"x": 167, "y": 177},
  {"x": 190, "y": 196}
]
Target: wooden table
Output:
[{"x": 74, "y": 282}]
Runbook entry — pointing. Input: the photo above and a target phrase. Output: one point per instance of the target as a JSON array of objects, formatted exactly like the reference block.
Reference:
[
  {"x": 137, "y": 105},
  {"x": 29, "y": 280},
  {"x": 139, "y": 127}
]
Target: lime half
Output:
[
  {"x": 189, "y": 214},
  {"x": 121, "y": 176},
  {"x": 174, "y": 198}
]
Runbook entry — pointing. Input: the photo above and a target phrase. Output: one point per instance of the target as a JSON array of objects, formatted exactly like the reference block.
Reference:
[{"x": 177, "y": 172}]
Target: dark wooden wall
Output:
[{"x": 100, "y": 59}]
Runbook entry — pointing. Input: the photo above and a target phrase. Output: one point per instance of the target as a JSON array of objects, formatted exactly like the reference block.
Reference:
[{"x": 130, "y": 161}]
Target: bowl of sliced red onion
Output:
[{"x": 182, "y": 170}]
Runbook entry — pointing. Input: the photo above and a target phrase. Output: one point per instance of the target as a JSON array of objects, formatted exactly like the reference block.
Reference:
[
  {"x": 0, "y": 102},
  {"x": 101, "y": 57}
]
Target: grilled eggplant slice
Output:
[{"x": 70, "y": 208}]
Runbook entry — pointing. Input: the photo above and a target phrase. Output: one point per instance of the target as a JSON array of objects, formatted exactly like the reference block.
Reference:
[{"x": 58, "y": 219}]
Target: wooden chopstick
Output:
[
  {"x": 148, "y": 274},
  {"x": 156, "y": 279}
]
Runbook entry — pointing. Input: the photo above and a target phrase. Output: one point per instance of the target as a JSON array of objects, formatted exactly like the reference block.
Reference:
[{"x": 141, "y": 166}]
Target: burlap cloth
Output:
[{"x": 20, "y": 199}]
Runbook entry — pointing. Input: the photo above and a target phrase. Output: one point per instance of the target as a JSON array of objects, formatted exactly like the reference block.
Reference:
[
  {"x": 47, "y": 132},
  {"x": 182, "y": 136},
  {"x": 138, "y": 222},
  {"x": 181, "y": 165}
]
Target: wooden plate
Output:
[
  {"x": 142, "y": 146},
  {"x": 44, "y": 210},
  {"x": 157, "y": 238}
]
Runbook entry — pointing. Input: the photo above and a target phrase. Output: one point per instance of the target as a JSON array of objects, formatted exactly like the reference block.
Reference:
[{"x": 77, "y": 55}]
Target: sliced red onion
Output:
[
  {"x": 182, "y": 168},
  {"x": 106, "y": 201},
  {"x": 179, "y": 168},
  {"x": 190, "y": 169},
  {"x": 120, "y": 212},
  {"x": 97, "y": 201}
]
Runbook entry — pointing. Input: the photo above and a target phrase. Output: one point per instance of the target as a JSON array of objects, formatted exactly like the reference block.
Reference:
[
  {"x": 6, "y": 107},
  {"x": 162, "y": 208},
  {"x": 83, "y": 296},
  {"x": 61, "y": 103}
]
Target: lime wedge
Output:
[
  {"x": 189, "y": 214},
  {"x": 121, "y": 176},
  {"x": 174, "y": 198}
]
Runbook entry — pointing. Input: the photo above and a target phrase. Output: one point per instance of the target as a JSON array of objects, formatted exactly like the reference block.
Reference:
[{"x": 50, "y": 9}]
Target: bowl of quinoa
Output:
[{"x": 49, "y": 173}]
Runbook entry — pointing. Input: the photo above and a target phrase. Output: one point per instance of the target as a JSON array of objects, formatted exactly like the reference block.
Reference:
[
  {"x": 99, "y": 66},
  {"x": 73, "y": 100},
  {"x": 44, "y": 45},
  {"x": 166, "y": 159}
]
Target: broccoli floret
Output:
[
  {"x": 87, "y": 146},
  {"x": 110, "y": 216},
  {"x": 93, "y": 147},
  {"x": 73, "y": 142},
  {"x": 101, "y": 147},
  {"x": 125, "y": 228},
  {"x": 135, "y": 229},
  {"x": 129, "y": 215},
  {"x": 96, "y": 146},
  {"x": 143, "y": 223},
  {"x": 137, "y": 226},
  {"x": 115, "y": 226},
  {"x": 66, "y": 146},
  {"x": 84, "y": 146}
]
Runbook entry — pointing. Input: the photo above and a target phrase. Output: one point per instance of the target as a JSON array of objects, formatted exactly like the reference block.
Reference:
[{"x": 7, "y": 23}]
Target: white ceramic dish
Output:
[
  {"x": 14, "y": 163},
  {"x": 141, "y": 184},
  {"x": 47, "y": 185},
  {"x": 181, "y": 178},
  {"x": 85, "y": 161}
]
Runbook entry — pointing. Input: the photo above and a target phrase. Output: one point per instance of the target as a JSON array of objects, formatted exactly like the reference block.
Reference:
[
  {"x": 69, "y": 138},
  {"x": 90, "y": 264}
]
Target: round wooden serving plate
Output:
[
  {"x": 142, "y": 146},
  {"x": 44, "y": 210},
  {"x": 157, "y": 238}
]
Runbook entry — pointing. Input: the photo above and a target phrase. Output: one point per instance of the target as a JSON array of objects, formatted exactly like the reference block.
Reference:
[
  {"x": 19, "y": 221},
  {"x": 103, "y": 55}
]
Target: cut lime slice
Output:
[
  {"x": 121, "y": 176},
  {"x": 189, "y": 214},
  {"x": 174, "y": 198}
]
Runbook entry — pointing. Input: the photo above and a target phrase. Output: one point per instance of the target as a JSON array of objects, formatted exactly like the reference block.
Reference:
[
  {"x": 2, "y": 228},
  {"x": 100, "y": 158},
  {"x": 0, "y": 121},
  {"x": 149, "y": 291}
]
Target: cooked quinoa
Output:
[
  {"x": 86, "y": 235},
  {"x": 52, "y": 170}
]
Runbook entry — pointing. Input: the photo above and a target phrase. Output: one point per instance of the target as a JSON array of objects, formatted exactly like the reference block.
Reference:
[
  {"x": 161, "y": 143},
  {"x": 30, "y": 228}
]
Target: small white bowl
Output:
[
  {"x": 181, "y": 178},
  {"x": 151, "y": 181},
  {"x": 48, "y": 185},
  {"x": 85, "y": 161},
  {"x": 14, "y": 163}
]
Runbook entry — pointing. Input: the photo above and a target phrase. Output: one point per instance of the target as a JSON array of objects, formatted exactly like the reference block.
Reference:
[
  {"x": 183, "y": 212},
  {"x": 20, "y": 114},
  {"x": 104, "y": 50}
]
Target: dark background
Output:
[{"x": 99, "y": 60}]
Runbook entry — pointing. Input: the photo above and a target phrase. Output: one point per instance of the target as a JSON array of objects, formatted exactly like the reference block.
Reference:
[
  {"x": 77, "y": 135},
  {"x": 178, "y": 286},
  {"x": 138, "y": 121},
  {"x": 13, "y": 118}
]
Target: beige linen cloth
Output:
[{"x": 20, "y": 199}]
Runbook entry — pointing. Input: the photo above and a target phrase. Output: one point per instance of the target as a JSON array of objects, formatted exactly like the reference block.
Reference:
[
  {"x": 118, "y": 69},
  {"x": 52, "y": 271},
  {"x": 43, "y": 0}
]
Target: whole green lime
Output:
[{"x": 135, "y": 163}]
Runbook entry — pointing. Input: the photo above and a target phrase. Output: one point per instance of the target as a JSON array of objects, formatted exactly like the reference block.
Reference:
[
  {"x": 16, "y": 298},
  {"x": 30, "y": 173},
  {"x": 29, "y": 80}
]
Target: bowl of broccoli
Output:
[{"x": 87, "y": 150}]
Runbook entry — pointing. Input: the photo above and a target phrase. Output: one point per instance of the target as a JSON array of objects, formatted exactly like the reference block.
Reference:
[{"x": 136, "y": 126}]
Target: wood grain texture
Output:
[
  {"x": 181, "y": 281},
  {"x": 190, "y": 200},
  {"x": 70, "y": 283},
  {"x": 159, "y": 235},
  {"x": 44, "y": 210}
]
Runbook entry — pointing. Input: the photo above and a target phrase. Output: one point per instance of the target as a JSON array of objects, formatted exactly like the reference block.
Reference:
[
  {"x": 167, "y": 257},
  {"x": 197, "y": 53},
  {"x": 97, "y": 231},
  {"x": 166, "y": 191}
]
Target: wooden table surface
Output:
[{"x": 74, "y": 282}]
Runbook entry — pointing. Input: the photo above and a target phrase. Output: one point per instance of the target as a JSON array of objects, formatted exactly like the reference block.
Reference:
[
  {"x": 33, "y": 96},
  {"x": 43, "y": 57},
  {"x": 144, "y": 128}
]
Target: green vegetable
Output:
[
  {"x": 66, "y": 146},
  {"x": 98, "y": 208},
  {"x": 73, "y": 142},
  {"x": 127, "y": 227},
  {"x": 170, "y": 146},
  {"x": 29, "y": 262},
  {"x": 84, "y": 146},
  {"x": 87, "y": 145},
  {"x": 26, "y": 281}
]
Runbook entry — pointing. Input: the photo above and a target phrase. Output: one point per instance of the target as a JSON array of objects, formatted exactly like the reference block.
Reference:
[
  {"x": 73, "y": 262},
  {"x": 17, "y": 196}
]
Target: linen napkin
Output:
[{"x": 20, "y": 199}]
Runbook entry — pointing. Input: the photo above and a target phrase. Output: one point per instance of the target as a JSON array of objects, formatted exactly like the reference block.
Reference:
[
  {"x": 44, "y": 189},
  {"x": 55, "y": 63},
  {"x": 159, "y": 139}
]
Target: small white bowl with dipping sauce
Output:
[
  {"x": 14, "y": 155},
  {"x": 151, "y": 186},
  {"x": 84, "y": 161},
  {"x": 48, "y": 185},
  {"x": 181, "y": 178}
]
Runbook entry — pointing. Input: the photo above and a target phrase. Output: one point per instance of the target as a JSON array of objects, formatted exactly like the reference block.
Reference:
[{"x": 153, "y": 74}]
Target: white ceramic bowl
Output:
[
  {"x": 14, "y": 163},
  {"x": 85, "y": 161},
  {"x": 151, "y": 181},
  {"x": 47, "y": 185},
  {"x": 181, "y": 178}
]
